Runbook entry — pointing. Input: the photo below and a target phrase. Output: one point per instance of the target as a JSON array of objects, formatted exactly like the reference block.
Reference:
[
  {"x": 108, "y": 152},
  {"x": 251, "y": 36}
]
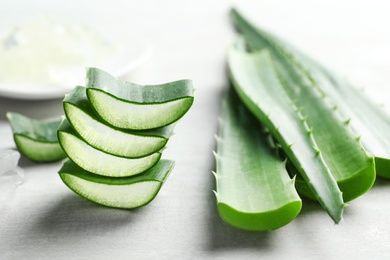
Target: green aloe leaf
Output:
[
  {"x": 253, "y": 188},
  {"x": 366, "y": 119},
  {"x": 349, "y": 163},
  {"x": 258, "y": 85},
  {"x": 125, "y": 192},
  {"x": 99, "y": 162},
  {"x": 131, "y": 106},
  {"x": 36, "y": 139},
  {"x": 104, "y": 137}
]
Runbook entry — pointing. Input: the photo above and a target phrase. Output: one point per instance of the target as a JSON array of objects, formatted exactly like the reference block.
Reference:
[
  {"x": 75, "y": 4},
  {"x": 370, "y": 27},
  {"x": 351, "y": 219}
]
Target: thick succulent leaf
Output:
[
  {"x": 125, "y": 192},
  {"x": 36, "y": 139},
  {"x": 132, "y": 106},
  {"x": 349, "y": 163},
  {"x": 253, "y": 188},
  {"x": 99, "y": 162},
  {"x": 104, "y": 137},
  {"x": 259, "y": 87},
  {"x": 366, "y": 119}
]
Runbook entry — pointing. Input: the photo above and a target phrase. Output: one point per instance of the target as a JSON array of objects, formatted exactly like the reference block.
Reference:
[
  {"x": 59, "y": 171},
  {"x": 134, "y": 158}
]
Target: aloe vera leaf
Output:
[
  {"x": 111, "y": 140},
  {"x": 260, "y": 89},
  {"x": 365, "y": 117},
  {"x": 253, "y": 188},
  {"x": 36, "y": 139},
  {"x": 349, "y": 163},
  {"x": 99, "y": 162},
  {"x": 125, "y": 192},
  {"x": 131, "y": 106},
  {"x": 343, "y": 153}
]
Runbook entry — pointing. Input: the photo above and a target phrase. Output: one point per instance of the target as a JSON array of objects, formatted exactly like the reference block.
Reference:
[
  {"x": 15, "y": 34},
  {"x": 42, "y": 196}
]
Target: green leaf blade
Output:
[
  {"x": 259, "y": 87},
  {"x": 253, "y": 186}
]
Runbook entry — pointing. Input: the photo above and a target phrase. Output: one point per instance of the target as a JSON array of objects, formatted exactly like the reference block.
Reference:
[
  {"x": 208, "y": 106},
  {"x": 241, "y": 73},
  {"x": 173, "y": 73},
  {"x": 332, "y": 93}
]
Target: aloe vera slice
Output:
[
  {"x": 254, "y": 190},
  {"x": 103, "y": 137},
  {"x": 131, "y": 106},
  {"x": 258, "y": 85},
  {"x": 343, "y": 153},
  {"x": 99, "y": 162},
  {"x": 36, "y": 139},
  {"x": 125, "y": 192}
]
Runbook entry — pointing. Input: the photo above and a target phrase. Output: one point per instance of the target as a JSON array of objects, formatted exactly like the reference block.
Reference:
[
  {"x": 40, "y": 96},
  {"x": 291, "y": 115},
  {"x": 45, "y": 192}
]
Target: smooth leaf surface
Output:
[
  {"x": 259, "y": 87},
  {"x": 253, "y": 188}
]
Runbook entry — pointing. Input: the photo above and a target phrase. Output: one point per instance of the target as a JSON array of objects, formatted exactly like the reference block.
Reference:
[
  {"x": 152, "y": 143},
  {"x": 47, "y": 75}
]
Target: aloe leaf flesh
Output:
[
  {"x": 99, "y": 162},
  {"x": 104, "y": 137},
  {"x": 367, "y": 119},
  {"x": 257, "y": 83},
  {"x": 253, "y": 189},
  {"x": 36, "y": 139},
  {"x": 132, "y": 106},
  {"x": 125, "y": 192}
]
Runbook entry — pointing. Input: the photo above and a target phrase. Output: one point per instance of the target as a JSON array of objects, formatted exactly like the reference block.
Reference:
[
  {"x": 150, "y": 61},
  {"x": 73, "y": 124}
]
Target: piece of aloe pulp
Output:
[
  {"x": 125, "y": 192},
  {"x": 104, "y": 137},
  {"x": 36, "y": 139},
  {"x": 131, "y": 106},
  {"x": 347, "y": 160},
  {"x": 99, "y": 162},
  {"x": 259, "y": 87},
  {"x": 254, "y": 190}
]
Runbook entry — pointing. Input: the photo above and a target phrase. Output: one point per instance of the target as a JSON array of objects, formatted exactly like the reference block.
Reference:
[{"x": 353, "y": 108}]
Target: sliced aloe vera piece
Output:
[
  {"x": 99, "y": 162},
  {"x": 254, "y": 190},
  {"x": 125, "y": 192},
  {"x": 101, "y": 136},
  {"x": 131, "y": 106},
  {"x": 259, "y": 87},
  {"x": 36, "y": 139}
]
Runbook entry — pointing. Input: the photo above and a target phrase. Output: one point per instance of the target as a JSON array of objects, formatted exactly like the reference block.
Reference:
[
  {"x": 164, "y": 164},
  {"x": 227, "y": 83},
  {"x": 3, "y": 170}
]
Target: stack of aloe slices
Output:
[
  {"x": 114, "y": 133},
  {"x": 302, "y": 106}
]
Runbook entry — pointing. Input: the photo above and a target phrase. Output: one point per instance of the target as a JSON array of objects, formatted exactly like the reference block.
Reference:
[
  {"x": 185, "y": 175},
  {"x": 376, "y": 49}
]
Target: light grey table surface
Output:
[{"x": 43, "y": 219}]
